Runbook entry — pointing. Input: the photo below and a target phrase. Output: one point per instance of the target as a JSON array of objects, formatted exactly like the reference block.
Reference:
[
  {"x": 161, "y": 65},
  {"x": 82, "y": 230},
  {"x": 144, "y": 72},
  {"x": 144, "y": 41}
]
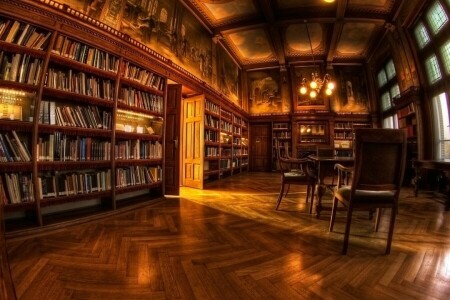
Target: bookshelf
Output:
[
  {"x": 405, "y": 105},
  {"x": 344, "y": 134},
  {"x": 281, "y": 131},
  {"x": 80, "y": 122},
  {"x": 221, "y": 150}
]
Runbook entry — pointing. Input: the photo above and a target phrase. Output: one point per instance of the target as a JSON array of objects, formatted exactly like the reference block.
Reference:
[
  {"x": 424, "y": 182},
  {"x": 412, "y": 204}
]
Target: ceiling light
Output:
[
  {"x": 329, "y": 1},
  {"x": 314, "y": 86}
]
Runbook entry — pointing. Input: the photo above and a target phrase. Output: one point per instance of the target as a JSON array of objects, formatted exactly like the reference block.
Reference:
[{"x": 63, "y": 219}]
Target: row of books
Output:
[
  {"x": 211, "y": 121},
  {"x": 66, "y": 184},
  {"x": 18, "y": 188},
  {"x": 137, "y": 149},
  {"x": 211, "y": 136},
  {"x": 80, "y": 83},
  {"x": 23, "y": 34},
  {"x": 60, "y": 147},
  {"x": 211, "y": 151},
  {"x": 407, "y": 110},
  {"x": 212, "y": 107},
  {"x": 225, "y": 126},
  {"x": 13, "y": 149},
  {"x": 21, "y": 68},
  {"x": 236, "y": 130},
  {"x": 85, "y": 54},
  {"x": 237, "y": 120},
  {"x": 343, "y": 135},
  {"x": 145, "y": 100},
  {"x": 137, "y": 175},
  {"x": 143, "y": 76},
  {"x": 74, "y": 116}
]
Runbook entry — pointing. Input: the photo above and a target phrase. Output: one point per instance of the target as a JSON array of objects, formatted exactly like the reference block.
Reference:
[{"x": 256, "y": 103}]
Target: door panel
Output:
[
  {"x": 193, "y": 139},
  {"x": 261, "y": 147},
  {"x": 171, "y": 141}
]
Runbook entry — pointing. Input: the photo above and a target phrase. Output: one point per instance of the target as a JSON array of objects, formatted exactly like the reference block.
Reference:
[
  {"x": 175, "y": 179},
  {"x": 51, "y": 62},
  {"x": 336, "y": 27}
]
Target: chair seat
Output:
[
  {"x": 366, "y": 197},
  {"x": 295, "y": 174}
]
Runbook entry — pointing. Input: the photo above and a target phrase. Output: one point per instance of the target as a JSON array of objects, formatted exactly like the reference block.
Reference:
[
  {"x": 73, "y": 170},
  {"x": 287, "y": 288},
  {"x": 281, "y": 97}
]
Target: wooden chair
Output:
[
  {"x": 294, "y": 171},
  {"x": 380, "y": 156}
]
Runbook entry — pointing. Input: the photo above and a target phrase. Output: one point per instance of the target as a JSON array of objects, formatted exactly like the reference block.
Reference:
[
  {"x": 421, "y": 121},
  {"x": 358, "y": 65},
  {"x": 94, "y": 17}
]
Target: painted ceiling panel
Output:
[
  {"x": 251, "y": 45},
  {"x": 297, "y": 37},
  {"x": 355, "y": 38},
  {"x": 230, "y": 9}
]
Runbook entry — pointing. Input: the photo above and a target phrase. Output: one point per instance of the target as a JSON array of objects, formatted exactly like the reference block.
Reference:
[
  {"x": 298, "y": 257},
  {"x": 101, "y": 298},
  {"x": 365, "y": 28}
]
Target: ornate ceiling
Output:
[{"x": 262, "y": 33}]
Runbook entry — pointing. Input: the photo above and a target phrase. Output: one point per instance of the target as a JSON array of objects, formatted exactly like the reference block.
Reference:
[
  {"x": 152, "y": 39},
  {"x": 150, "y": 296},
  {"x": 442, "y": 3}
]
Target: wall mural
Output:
[
  {"x": 266, "y": 93},
  {"x": 229, "y": 76},
  {"x": 351, "y": 94},
  {"x": 165, "y": 26}
]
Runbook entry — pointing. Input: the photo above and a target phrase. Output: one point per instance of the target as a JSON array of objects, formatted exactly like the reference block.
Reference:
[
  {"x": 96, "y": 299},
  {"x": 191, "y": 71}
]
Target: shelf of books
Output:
[
  {"x": 78, "y": 123},
  {"x": 225, "y": 142},
  {"x": 344, "y": 135},
  {"x": 281, "y": 132}
]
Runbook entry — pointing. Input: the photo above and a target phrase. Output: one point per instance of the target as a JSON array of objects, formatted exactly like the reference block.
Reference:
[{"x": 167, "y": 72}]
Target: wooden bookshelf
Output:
[{"x": 80, "y": 121}]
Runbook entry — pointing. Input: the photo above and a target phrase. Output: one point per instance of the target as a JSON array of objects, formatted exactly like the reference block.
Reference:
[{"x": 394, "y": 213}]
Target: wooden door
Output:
[
  {"x": 261, "y": 147},
  {"x": 193, "y": 141},
  {"x": 171, "y": 141}
]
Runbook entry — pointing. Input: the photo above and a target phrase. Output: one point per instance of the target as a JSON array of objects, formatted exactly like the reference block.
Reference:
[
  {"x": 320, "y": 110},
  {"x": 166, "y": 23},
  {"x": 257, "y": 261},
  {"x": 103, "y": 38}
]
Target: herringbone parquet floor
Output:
[{"x": 228, "y": 242}]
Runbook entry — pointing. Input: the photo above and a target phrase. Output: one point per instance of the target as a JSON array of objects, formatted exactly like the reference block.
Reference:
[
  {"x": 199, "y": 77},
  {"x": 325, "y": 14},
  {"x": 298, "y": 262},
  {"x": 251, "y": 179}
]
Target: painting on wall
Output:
[
  {"x": 305, "y": 102},
  {"x": 229, "y": 76},
  {"x": 266, "y": 94},
  {"x": 351, "y": 94},
  {"x": 164, "y": 26}
]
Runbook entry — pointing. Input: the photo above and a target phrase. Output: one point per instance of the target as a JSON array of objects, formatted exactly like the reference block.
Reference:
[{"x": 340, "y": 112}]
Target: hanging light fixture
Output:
[{"x": 315, "y": 85}]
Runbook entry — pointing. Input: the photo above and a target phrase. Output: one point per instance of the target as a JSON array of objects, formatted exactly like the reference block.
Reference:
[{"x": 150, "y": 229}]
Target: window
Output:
[
  {"x": 385, "y": 101},
  {"x": 390, "y": 69},
  {"x": 395, "y": 91},
  {"x": 436, "y": 17},
  {"x": 441, "y": 125},
  {"x": 421, "y": 34},
  {"x": 432, "y": 68},
  {"x": 382, "y": 78},
  {"x": 445, "y": 51},
  {"x": 389, "y": 122}
]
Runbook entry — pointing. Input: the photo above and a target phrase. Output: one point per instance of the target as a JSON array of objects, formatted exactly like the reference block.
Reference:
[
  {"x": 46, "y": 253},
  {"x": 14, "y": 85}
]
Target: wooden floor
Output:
[{"x": 228, "y": 242}]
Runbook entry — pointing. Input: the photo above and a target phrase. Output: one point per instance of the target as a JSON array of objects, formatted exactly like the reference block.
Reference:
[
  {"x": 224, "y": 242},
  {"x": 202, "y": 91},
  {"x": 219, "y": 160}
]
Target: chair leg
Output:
[
  {"x": 347, "y": 229},
  {"x": 287, "y": 190},
  {"x": 391, "y": 230},
  {"x": 307, "y": 193},
  {"x": 378, "y": 218},
  {"x": 313, "y": 188},
  {"x": 280, "y": 196},
  {"x": 333, "y": 213}
]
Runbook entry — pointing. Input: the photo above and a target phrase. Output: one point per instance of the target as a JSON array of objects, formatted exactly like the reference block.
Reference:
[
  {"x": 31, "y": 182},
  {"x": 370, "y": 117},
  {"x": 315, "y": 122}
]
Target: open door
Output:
[
  {"x": 193, "y": 140},
  {"x": 171, "y": 140}
]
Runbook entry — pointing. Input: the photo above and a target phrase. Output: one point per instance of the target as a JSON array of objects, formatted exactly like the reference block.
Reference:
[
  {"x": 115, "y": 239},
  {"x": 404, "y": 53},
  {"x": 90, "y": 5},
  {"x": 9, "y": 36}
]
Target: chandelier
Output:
[{"x": 315, "y": 85}]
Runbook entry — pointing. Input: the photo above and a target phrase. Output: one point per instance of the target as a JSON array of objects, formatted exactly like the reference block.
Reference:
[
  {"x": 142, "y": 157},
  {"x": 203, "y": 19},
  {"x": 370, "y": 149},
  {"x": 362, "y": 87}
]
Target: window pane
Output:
[
  {"x": 445, "y": 51},
  {"x": 441, "y": 125},
  {"x": 382, "y": 79},
  {"x": 388, "y": 122},
  {"x": 395, "y": 91},
  {"x": 390, "y": 69},
  {"x": 433, "y": 71},
  {"x": 422, "y": 35},
  {"x": 385, "y": 101},
  {"x": 436, "y": 17}
]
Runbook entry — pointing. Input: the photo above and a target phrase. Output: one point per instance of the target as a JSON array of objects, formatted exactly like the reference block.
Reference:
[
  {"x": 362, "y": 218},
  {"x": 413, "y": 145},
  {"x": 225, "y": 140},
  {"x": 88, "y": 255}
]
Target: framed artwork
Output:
[
  {"x": 305, "y": 102},
  {"x": 229, "y": 76},
  {"x": 351, "y": 93},
  {"x": 266, "y": 93}
]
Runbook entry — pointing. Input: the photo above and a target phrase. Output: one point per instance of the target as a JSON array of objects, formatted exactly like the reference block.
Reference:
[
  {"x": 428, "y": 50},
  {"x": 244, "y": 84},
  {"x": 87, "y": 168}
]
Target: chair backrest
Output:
[{"x": 380, "y": 157}]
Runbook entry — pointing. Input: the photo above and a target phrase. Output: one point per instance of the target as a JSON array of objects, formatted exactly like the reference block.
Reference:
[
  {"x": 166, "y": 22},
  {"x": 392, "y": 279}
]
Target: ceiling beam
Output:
[
  {"x": 337, "y": 29},
  {"x": 274, "y": 31}
]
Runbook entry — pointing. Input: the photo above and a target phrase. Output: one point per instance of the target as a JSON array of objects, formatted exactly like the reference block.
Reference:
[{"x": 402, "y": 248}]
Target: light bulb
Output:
[
  {"x": 303, "y": 90},
  {"x": 313, "y": 84},
  {"x": 313, "y": 94},
  {"x": 330, "y": 85},
  {"x": 328, "y": 92}
]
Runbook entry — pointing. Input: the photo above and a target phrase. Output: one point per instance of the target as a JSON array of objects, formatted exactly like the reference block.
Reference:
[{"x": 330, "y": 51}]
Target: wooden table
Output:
[
  {"x": 325, "y": 168},
  {"x": 438, "y": 165}
]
